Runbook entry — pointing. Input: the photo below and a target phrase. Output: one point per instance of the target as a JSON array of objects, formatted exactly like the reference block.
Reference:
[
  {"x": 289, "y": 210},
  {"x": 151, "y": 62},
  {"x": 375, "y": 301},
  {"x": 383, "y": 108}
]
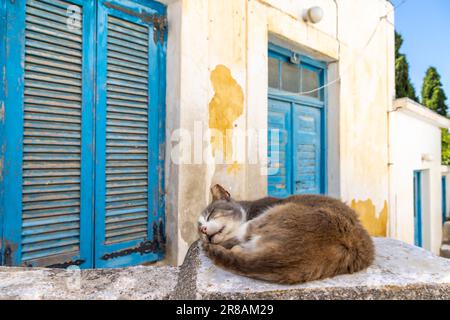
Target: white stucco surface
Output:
[{"x": 415, "y": 144}]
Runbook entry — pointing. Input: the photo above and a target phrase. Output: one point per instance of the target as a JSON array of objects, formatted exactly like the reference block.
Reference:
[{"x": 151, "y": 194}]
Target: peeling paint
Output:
[
  {"x": 375, "y": 224},
  {"x": 233, "y": 168},
  {"x": 225, "y": 107}
]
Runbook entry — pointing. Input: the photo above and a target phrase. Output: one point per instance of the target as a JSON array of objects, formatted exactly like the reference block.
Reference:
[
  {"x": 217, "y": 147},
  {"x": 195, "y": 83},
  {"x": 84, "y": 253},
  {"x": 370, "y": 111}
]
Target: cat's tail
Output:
[{"x": 249, "y": 264}]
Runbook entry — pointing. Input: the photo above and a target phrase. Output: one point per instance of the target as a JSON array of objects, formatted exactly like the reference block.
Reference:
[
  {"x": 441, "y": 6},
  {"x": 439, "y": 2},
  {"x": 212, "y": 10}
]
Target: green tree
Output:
[
  {"x": 403, "y": 85},
  {"x": 445, "y": 147},
  {"x": 433, "y": 95}
]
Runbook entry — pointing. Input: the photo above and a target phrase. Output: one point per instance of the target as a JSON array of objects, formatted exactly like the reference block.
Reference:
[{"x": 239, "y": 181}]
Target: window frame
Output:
[{"x": 284, "y": 54}]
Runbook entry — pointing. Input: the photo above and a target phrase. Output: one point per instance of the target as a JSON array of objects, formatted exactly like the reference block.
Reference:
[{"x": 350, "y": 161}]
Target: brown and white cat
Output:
[{"x": 292, "y": 240}]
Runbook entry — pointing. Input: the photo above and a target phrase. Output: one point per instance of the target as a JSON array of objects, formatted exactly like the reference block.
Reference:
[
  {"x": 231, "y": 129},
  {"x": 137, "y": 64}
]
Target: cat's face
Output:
[{"x": 220, "y": 220}]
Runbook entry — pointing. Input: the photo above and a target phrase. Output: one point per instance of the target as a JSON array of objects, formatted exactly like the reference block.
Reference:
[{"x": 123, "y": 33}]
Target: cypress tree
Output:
[
  {"x": 403, "y": 85},
  {"x": 433, "y": 95}
]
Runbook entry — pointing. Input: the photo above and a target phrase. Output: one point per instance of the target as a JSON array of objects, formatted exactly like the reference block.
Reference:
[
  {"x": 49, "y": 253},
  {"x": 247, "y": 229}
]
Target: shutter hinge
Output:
[
  {"x": 159, "y": 26},
  {"x": 66, "y": 264},
  {"x": 7, "y": 256},
  {"x": 156, "y": 245}
]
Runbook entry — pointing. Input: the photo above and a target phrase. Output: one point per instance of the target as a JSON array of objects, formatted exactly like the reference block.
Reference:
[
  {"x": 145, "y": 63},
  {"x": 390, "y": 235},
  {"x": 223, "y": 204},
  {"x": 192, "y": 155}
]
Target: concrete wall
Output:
[
  {"x": 415, "y": 144},
  {"x": 217, "y": 79}
]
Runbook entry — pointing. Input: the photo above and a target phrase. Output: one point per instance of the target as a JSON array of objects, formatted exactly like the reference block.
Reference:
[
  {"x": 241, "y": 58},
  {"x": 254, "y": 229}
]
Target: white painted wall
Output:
[{"x": 414, "y": 131}]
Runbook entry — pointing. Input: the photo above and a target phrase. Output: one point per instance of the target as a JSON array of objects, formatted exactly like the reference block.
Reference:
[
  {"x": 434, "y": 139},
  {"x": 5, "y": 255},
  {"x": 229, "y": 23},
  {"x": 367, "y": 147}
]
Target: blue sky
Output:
[{"x": 425, "y": 27}]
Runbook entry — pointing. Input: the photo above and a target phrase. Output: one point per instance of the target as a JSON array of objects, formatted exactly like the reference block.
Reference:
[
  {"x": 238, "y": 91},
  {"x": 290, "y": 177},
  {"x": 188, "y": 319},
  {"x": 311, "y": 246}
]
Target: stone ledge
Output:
[
  {"x": 400, "y": 271},
  {"x": 140, "y": 282}
]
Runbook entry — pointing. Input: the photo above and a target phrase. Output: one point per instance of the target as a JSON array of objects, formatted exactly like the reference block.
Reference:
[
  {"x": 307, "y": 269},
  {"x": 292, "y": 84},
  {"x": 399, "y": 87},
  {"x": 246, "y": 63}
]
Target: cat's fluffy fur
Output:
[{"x": 292, "y": 240}]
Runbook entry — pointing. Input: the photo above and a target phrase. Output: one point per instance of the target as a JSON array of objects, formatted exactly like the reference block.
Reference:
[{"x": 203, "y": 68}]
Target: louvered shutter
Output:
[
  {"x": 307, "y": 144},
  {"x": 279, "y": 148},
  {"x": 73, "y": 195},
  {"x": 48, "y": 216},
  {"x": 125, "y": 211}
]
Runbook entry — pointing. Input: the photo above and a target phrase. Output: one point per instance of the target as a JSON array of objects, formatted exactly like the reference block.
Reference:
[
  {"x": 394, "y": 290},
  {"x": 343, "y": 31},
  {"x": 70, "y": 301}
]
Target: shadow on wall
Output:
[{"x": 376, "y": 224}]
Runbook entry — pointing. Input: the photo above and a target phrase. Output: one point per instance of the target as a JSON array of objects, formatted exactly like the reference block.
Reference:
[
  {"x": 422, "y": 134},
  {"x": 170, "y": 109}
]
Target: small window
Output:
[
  {"x": 297, "y": 78},
  {"x": 290, "y": 77},
  {"x": 274, "y": 73},
  {"x": 310, "y": 83}
]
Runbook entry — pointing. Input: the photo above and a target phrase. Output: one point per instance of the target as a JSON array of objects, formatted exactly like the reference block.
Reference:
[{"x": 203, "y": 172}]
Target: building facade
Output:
[
  {"x": 118, "y": 116},
  {"x": 417, "y": 181}
]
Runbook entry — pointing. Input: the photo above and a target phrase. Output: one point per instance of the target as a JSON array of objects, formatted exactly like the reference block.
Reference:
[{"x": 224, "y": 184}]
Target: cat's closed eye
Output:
[{"x": 209, "y": 214}]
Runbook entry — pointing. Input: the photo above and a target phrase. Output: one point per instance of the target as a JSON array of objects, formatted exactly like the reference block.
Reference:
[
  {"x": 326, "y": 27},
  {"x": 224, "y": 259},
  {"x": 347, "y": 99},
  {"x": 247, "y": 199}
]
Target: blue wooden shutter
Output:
[
  {"x": 279, "y": 153},
  {"x": 51, "y": 69},
  {"x": 127, "y": 211},
  {"x": 307, "y": 149}
]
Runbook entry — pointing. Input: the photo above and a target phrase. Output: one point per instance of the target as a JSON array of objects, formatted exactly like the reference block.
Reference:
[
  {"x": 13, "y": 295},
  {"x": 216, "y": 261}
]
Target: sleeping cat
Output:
[{"x": 293, "y": 240}]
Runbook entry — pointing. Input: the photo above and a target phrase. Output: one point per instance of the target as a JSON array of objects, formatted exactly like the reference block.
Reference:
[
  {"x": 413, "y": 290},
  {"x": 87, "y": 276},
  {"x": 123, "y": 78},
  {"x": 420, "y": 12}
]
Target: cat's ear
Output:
[{"x": 219, "y": 193}]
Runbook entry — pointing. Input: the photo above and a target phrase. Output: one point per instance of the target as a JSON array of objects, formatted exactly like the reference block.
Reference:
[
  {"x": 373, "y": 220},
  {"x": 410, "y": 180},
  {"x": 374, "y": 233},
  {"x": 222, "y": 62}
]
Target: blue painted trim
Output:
[
  {"x": 100, "y": 130},
  {"x": 444, "y": 199},
  {"x": 13, "y": 128},
  {"x": 87, "y": 137},
  {"x": 157, "y": 87},
  {"x": 2, "y": 116},
  {"x": 418, "y": 208},
  {"x": 149, "y": 6},
  {"x": 292, "y": 97},
  {"x": 139, "y": 6},
  {"x": 283, "y": 54}
]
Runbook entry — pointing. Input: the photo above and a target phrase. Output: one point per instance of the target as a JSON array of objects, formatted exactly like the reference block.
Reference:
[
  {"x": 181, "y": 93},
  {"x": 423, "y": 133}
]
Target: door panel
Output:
[
  {"x": 307, "y": 149},
  {"x": 444, "y": 199},
  {"x": 53, "y": 120},
  {"x": 418, "y": 208},
  {"x": 124, "y": 191},
  {"x": 279, "y": 152}
]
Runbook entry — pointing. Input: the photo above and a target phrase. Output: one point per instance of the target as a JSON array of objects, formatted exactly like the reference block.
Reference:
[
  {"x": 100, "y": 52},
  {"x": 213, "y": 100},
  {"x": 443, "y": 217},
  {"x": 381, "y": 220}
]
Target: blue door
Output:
[
  {"x": 81, "y": 179},
  {"x": 296, "y": 124},
  {"x": 444, "y": 199},
  {"x": 418, "y": 208}
]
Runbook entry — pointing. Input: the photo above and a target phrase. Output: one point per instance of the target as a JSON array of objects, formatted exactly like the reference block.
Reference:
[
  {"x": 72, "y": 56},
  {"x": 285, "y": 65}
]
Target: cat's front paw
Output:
[{"x": 206, "y": 246}]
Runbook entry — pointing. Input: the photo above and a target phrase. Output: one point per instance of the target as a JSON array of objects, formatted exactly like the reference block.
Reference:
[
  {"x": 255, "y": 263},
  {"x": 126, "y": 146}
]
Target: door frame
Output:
[
  {"x": 444, "y": 198},
  {"x": 2, "y": 117},
  {"x": 276, "y": 51},
  {"x": 418, "y": 228}
]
